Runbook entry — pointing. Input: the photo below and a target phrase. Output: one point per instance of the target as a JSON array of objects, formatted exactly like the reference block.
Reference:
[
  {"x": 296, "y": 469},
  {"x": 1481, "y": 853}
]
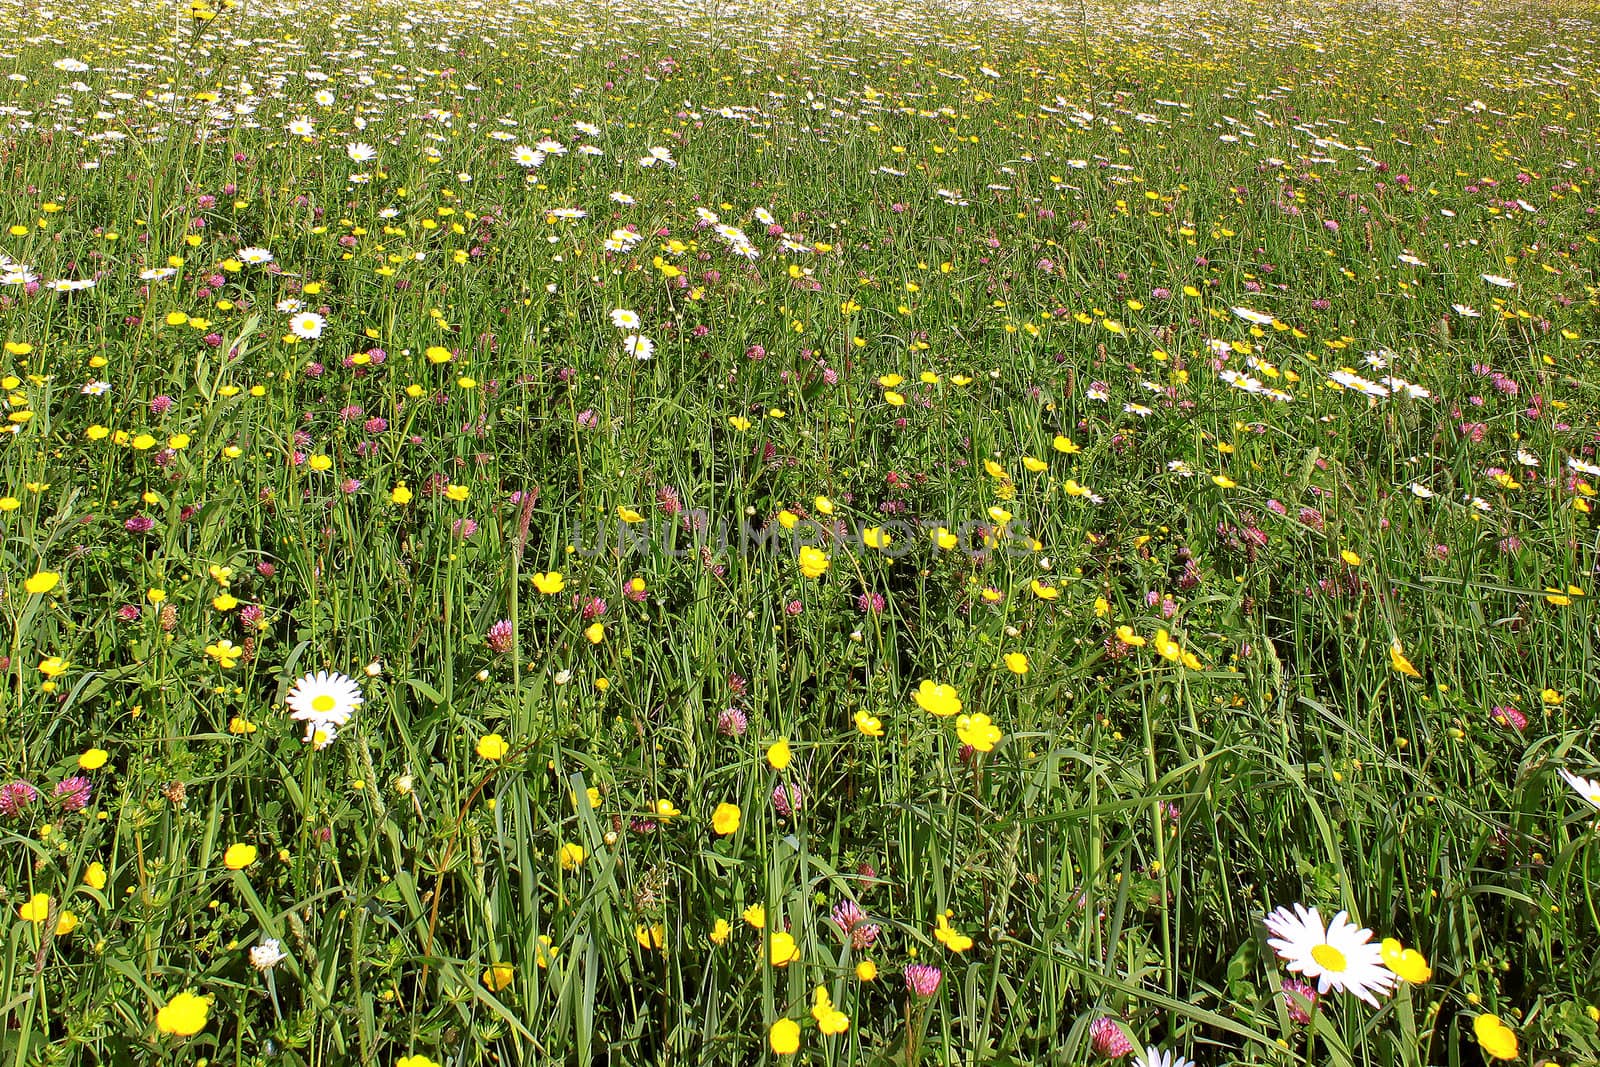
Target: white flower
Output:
[
  {"x": 1339, "y": 957},
  {"x": 1253, "y": 316},
  {"x": 1526, "y": 458},
  {"x": 1583, "y": 468},
  {"x": 72, "y": 66},
  {"x": 640, "y": 348},
  {"x": 157, "y": 274},
  {"x": 307, "y": 325},
  {"x": 360, "y": 152},
  {"x": 623, "y": 319},
  {"x": 1587, "y": 788},
  {"x": 527, "y": 157},
  {"x": 324, "y": 97},
  {"x": 1495, "y": 279},
  {"x": 1467, "y": 312},
  {"x": 1420, "y": 491},
  {"x": 267, "y": 955},
  {"x": 96, "y": 388},
  {"x": 323, "y": 699},
  {"x": 302, "y": 127},
  {"x": 1154, "y": 1057},
  {"x": 253, "y": 255}
]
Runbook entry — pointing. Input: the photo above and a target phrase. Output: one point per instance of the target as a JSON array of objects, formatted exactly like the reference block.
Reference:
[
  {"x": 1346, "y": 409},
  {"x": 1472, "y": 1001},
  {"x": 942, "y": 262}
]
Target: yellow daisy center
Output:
[
  {"x": 322, "y": 702},
  {"x": 1328, "y": 958}
]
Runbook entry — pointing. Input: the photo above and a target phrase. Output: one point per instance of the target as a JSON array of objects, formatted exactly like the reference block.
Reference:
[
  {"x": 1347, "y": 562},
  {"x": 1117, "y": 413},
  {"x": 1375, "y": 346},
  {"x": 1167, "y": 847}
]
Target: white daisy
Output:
[
  {"x": 527, "y": 157},
  {"x": 1252, "y": 316},
  {"x": 624, "y": 319},
  {"x": 1466, "y": 311},
  {"x": 253, "y": 255},
  {"x": 623, "y": 198},
  {"x": 1339, "y": 957},
  {"x": 323, "y": 700},
  {"x": 1154, "y": 1057},
  {"x": 267, "y": 955},
  {"x": 640, "y": 348},
  {"x": 1587, "y": 788},
  {"x": 307, "y": 325},
  {"x": 1495, "y": 279},
  {"x": 360, "y": 152},
  {"x": 96, "y": 389},
  {"x": 302, "y": 127},
  {"x": 324, "y": 97}
]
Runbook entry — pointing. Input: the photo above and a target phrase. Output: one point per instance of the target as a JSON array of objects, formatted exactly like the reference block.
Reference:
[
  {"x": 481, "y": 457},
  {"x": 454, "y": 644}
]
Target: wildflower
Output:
[
  {"x": 869, "y": 725},
  {"x": 866, "y": 971},
  {"x": 225, "y": 652},
  {"x": 725, "y": 820},
  {"x": 1339, "y": 956},
  {"x": 1397, "y": 660},
  {"x": 1497, "y": 1040},
  {"x": 756, "y": 916},
  {"x": 94, "y": 875},
  {"x": 650, "y": 937},
  {"x": 1109, "y": 1039},
  {"x": 572, "y": 856},
  {"x": 779, "y": 754},
  {"x": 550, "y": 583},
  {"x": 492, "y": 747},
  {"x": 1017, "y": 662},
  {"x": 56, "y": 666},
  {"x": 1154, "y": 1057},
  {"x": 787, "y": 799},
  {"x": 1587, "y": 788},
  {"x": 813, "y": 562},
  {"x": 923, "y": 979},
  {"x": 978, "y": 731},
  {"x": 36, "y": 909},
  {"x": 500, "y": 636},
  {"x": 666, "y": 809},
  {"x": 781, "y": 949},
  {"x": 498, "y": 975},
  {"x": 267, "y": 955},
  {"x": 1408, "y": 963},
  {"x": 42, "y": 582},
  {"x": 15, "y": 796},
  {"x": 784, "y": 1037},
  {"x": 830, "y": 1020},
  {"x": 720, "y": 932},
  {"x": 72, "y": 794},
  {"x": 238, "y": 857},
  {"x": 1298, "y": 997},
  {"x": 595, "y": 632},
  {"x": 184, "y": 1015},
  {"x": 323, "y": 700},
  {"x": 937, "y": 699}
]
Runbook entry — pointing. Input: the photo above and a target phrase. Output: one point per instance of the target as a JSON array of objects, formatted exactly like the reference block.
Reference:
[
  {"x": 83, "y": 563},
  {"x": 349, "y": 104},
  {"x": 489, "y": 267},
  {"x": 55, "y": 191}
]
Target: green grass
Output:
[{"x": 1072, "y": 235}]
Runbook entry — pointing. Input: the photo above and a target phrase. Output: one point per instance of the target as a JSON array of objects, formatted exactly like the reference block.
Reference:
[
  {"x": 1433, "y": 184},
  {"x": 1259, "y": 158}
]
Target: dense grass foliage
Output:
[{"x": 838, "y": 533}]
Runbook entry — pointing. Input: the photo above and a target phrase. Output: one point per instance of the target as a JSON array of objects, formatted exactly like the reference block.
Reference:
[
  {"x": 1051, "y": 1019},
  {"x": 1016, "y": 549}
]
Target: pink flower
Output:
[
  {"x": 1108, "y": 1038},
  {"x": 73, "y": 793},
  {"x": 1506, "y": 715},
  {"x": 732, "y": 723},
  {"x": 787, "y": 799},
  {"x": 923, "y": 979},
  {"x": 1306, "y": 991},
  {"x": 15, "y": 796},
  {"x": 500, "y": 636}
]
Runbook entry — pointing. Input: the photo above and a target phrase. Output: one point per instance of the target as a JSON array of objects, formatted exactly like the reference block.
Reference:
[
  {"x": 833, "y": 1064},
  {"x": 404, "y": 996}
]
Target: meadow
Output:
[{"x": 799, "y": 533}]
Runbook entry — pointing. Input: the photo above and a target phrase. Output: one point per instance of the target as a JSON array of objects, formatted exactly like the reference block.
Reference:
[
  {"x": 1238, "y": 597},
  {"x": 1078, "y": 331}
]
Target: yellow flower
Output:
[
  {"x": 93, "y": 759},
  {"x": 1064, "y": 445},
  {"x": 1408, "y": 963},
  {"x": 492, "y": 747},
  {"x": 400, "y": 495},
  {"x": 823, "y": 504},
  {"x": 873, "y": 537},
  {"x": 572, "y": 856},
  {"x": 781, "y": 949},
  {"x": 1350, "y": 557},
  {"x": 756, "y": 916},
  {"x": 595, "y": 632},
  {"x": 628, "y": 515},
  {"x": 866, "y": 971},
  {"x": 225, "y": 652},
  {"x": 1397, "y": 660},
  {"x": 238, "y": 857},
  {"x": 1042, "y": 591},
  {"x": 549, "y": 584},
  {"x": 42, "y": 582},
  {"x": 813, "y": 562},
  {"x": 650, "y": 936},
  {"x": 1034, "y": 465},
  {"x": 937, "y": 699},
  {"x": 458, "y": 493},
  {"x": 66, "y": 922},
  {"x": 830, "y": 1020},
  {"x": 945, "y": 539},
  {"x": 1222, "y": 481},
  {"x": 784, "y": 1037},
  {"x": 1017, "y": 662},
  {"x": 978, "y": 731},
  {"x": 225, "y": 602},
  {"x": 498, "y": 975},
  {"x": 1126, "y": 635},
  {"x": 438, "y": 354},
  {"x": 869, "y": 724},
  {"x": 950, "y": 937},
  {"x": 183, "y": 1015},
  {"x": 94, "y": 876},
  {"x": 36, "y": 910},
  {"x": 415, "y": 1061},
  {"x": 544, "y": 950},
  {"x": 666, "y": 809},
  {"x": 725, "y": 820},
  {"x": 779, "y": 754},
  {"x": 1497, "y": 1039},
  {"x": 787, "y": 519},
  {"x": 739, "y": 422},
  {"x": 1551, "y": 697},
  {"x": 53, "y": 666},
  {"x": 720, "y": 932}
]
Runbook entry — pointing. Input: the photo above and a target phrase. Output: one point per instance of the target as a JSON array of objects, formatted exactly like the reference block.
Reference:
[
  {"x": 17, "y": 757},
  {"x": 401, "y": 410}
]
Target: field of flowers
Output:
[{"x": 799, "y": 532}]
